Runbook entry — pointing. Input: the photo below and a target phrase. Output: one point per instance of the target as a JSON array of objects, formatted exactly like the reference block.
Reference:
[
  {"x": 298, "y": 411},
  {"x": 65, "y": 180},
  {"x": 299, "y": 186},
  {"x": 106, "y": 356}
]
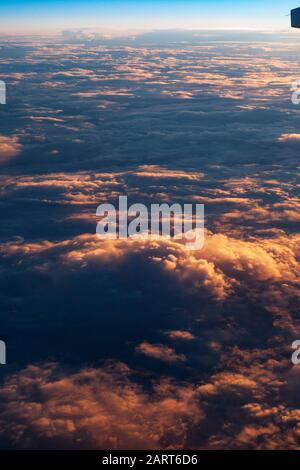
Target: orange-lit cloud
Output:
[
  {"x": 9, "y": 148},
  {"x": 94, "y": 409},
  {"x": 160, "y": 352}
]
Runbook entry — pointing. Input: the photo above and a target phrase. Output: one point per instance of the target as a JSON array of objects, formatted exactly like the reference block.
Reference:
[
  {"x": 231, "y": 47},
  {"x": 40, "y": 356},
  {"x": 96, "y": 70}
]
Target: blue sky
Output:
[{"x": 50, "y": 15}]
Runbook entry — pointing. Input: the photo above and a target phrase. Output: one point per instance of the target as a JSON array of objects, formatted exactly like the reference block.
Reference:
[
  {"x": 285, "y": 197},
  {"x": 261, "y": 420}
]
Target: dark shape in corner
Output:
[{"x": 295, "y": 18}]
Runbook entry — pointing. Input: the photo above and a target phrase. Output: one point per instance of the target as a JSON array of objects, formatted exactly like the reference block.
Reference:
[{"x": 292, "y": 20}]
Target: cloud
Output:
[
  {"x": 160, "y": 352},
  {"x": 227, "y": 382},
  {"x": 87, "y": 251},
  {"x": 205, "y": 334},
  {"x": 155, "y": 171},
  {"x": 9, "y": 148},
  {"x": 181, "y": 335},
  {"x": 287, "y": 137},
  {"x": 218, "y": 269},
  {"x": 42, "y": 407},
  {"x": 45, "y": 406}
]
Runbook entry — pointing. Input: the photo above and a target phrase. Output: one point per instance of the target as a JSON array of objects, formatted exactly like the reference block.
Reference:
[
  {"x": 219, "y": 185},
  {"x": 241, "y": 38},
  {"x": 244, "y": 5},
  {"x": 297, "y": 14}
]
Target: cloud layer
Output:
[{"x": 139, "y": 343}]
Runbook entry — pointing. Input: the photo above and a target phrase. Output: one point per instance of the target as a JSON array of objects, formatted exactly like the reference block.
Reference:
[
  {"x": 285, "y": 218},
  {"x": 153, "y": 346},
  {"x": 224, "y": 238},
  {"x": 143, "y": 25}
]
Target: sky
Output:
[{"x": 18, "y": 16}]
